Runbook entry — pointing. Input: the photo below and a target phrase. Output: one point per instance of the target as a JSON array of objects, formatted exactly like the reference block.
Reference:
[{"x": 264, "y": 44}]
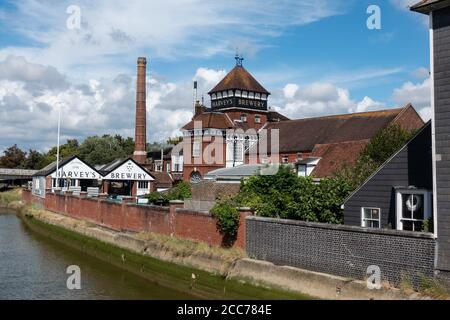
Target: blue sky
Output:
[{"x": 316, "y": 57}]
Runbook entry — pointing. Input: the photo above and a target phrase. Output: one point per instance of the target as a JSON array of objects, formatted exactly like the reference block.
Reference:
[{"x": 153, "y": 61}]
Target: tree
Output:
[
  {"x": 70, "y": 148},
  {"x": 379, "y": 149},
  {"x": 285, "y": 195},
  {"x": 101, "y": 150},
  {"x": 35, "y": 160},
  {"x": 174, "y": 141},
  {"x": 386, "y": 143},
  {"x": 13, "y": 157}
]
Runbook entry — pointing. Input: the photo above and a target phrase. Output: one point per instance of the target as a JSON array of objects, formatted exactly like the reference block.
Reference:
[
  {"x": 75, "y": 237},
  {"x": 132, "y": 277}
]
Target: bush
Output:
[
  {"x": 227, "y": 217},
  {"x": 285, "y": 195},
  {"x": 180, "y": 192}
]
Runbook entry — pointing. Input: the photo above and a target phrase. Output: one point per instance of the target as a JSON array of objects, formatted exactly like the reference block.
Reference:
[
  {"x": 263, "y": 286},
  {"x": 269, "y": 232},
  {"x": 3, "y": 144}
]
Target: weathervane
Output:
[{"x": 239, "y": 59}]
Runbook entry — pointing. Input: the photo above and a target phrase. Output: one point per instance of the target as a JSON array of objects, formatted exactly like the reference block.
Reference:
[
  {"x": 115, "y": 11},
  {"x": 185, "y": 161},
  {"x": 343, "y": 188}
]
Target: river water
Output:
[{"x": 34, "y": 267}]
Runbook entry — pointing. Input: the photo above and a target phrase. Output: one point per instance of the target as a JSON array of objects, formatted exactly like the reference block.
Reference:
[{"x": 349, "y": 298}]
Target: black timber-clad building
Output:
[
  {"x": 439, "y": 13},
  {"x": 411, "y": 190},
  {"x": 403, "y": 182}
]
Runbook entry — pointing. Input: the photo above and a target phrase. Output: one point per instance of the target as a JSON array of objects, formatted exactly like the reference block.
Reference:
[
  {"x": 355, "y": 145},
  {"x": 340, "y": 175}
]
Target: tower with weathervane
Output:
[{"x": 220, "y": 135}]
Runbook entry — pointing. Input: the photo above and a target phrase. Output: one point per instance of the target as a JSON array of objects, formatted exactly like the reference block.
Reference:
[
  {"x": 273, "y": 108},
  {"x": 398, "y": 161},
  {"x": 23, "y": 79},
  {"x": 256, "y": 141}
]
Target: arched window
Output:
[{"x": 196, "y": 177}]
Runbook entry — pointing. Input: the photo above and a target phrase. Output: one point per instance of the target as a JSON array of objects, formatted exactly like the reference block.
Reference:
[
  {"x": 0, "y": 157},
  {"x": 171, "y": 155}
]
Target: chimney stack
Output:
[{"x": 140, "y": 146}]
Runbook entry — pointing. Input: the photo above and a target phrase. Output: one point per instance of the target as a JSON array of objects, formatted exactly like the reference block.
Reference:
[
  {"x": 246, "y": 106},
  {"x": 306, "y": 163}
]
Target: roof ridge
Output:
[{"x": 342, "y": 115}]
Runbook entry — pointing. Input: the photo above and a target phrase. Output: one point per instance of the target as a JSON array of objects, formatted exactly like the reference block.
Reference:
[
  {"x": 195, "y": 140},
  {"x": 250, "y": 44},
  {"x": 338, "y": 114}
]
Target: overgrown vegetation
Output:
[
  {"x": 382, "y": 146},
  {"x": 227, "y": 218},
  {"x": 425, "y": 286},
  {"x": 9, "y": 197},
  {"x": 285, "y": 195},
  {"x": 180, "y": 192},
  {"x": 94, "y": 150}
]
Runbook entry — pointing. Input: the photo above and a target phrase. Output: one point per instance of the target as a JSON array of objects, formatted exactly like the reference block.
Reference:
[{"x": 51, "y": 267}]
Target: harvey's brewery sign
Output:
[
  {"x": 76, "y": 169},
  {"x": 129, "y": 170},
  {"x": 239, "y": 102}
]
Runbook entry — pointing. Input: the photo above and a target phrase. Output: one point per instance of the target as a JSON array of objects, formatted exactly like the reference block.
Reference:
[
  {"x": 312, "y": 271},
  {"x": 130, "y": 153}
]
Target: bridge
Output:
[{"x": 10, "y": 177}]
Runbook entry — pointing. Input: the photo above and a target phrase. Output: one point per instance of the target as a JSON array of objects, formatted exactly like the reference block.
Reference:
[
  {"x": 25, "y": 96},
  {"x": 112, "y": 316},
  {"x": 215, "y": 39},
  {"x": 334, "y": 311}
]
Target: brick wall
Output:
[
  {"x": 341, "y": 250},
  {"x": 173, "y": 220},
  {"x": 211, "y": 190}
]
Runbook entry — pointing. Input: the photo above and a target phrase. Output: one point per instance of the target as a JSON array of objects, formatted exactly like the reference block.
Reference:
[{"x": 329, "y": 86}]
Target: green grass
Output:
[
  {"x": 9, "y": 197},
  {"x": 205, "y": 285},
  {"x": 185, "y": 248}
]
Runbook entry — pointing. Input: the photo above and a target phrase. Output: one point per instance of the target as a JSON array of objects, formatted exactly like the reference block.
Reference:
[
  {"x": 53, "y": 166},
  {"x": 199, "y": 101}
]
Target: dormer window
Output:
[
  {"x": 213, "y": 96},
  {"x": 251, "y": 95},
  {"x": 224, "y": 94},
  {"x": 264, "y": 96},
  {"x": 230, "y": 93},
  {"x": 245, "y": 94},
  {"x": 244, "y": 117},
  {"x": 238, "y": 93},
  {"x": 219, "y": 95},
  {"x": 257, "y": 96}
]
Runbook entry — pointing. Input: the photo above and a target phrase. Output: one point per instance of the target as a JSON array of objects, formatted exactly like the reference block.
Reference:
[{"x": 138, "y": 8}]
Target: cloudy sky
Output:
[{"x": 316, "y": 57}]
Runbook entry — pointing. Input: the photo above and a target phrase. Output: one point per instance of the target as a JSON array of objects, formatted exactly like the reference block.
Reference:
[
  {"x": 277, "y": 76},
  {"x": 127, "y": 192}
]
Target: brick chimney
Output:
[{"x": 140, "y": 153}]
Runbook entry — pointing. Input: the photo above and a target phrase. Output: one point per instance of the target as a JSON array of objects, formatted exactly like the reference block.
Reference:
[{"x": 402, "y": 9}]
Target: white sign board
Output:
[
  {"x": 76, "y": 169},
  {"x": 129, "y": 171}
]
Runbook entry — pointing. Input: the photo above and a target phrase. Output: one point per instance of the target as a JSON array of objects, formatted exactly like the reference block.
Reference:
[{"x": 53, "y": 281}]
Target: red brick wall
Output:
[{"x": 130, "y": 217}]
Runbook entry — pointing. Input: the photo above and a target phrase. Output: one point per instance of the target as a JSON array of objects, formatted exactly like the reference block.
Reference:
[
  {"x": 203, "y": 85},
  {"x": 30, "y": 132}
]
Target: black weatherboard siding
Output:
[
  {"x": 411, "y": 166},
  {"x": 441, "y": 39}
]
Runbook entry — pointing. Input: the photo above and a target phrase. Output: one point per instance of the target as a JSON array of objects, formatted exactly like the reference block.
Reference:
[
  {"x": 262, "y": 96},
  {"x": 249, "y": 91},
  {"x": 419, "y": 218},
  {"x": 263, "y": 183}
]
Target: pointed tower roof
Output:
[{"x": 240, "y": 79}]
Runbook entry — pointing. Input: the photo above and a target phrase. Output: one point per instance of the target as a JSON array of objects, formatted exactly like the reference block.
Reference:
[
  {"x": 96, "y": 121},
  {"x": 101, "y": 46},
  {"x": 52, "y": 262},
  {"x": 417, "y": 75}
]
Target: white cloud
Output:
[
  {"x": 113, "y": 30},
  {"x": 317, "y": 99},
  {"x": 421, "y": 73},
  {"x": 419, "y": 94},
  {"x": 28, "y": 113},
  {"x": 403, "y": 4}
]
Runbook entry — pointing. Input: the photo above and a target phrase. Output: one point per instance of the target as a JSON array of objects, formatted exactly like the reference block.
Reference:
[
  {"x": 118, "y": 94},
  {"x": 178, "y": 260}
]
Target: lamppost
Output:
[{"x": 57, "y": 145}]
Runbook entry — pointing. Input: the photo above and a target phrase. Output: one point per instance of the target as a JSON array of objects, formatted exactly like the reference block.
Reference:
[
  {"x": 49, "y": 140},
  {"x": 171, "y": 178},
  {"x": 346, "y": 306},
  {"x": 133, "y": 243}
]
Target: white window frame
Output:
[
  {"x": 364, "y": 219},
  {"x": 244, "y": 117},
  {"x": 257, "y": 118},
  {"x": 196, "y": 148},
  {"x": 143, "y": 185},
  {"x": 238, "y": 93},
  {"x": 427, "y": 213}
]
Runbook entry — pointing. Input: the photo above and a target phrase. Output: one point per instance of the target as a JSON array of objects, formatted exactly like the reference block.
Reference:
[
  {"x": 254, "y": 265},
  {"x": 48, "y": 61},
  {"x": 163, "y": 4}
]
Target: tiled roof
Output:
[
  {"x": 425, "y": 6},
  {"x": 215, "y": 120},
  {"x": 162, "y": 179},
  {"x": 239, "y": 78},
  {"x": 334, "y": 156},
  {"x": 304, "y": 134},
  {"x": 48, "y": 169}
]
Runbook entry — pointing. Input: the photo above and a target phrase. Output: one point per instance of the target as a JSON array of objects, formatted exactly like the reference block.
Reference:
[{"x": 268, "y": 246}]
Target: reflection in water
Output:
[{"x": 34, "y": 267}]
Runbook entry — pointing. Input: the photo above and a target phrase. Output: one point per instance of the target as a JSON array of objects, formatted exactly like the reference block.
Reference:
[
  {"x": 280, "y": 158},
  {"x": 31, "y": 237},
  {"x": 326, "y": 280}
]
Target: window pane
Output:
[
  {"x": 375, "y": 214},
  {"x": 408, "y": 225}
]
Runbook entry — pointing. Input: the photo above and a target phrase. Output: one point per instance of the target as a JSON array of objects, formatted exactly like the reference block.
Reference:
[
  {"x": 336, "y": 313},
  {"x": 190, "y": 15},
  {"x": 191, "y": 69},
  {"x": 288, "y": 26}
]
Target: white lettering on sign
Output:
[
  {"x": 76, "y": 169},
  {"x": 129, "y": 171}
]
